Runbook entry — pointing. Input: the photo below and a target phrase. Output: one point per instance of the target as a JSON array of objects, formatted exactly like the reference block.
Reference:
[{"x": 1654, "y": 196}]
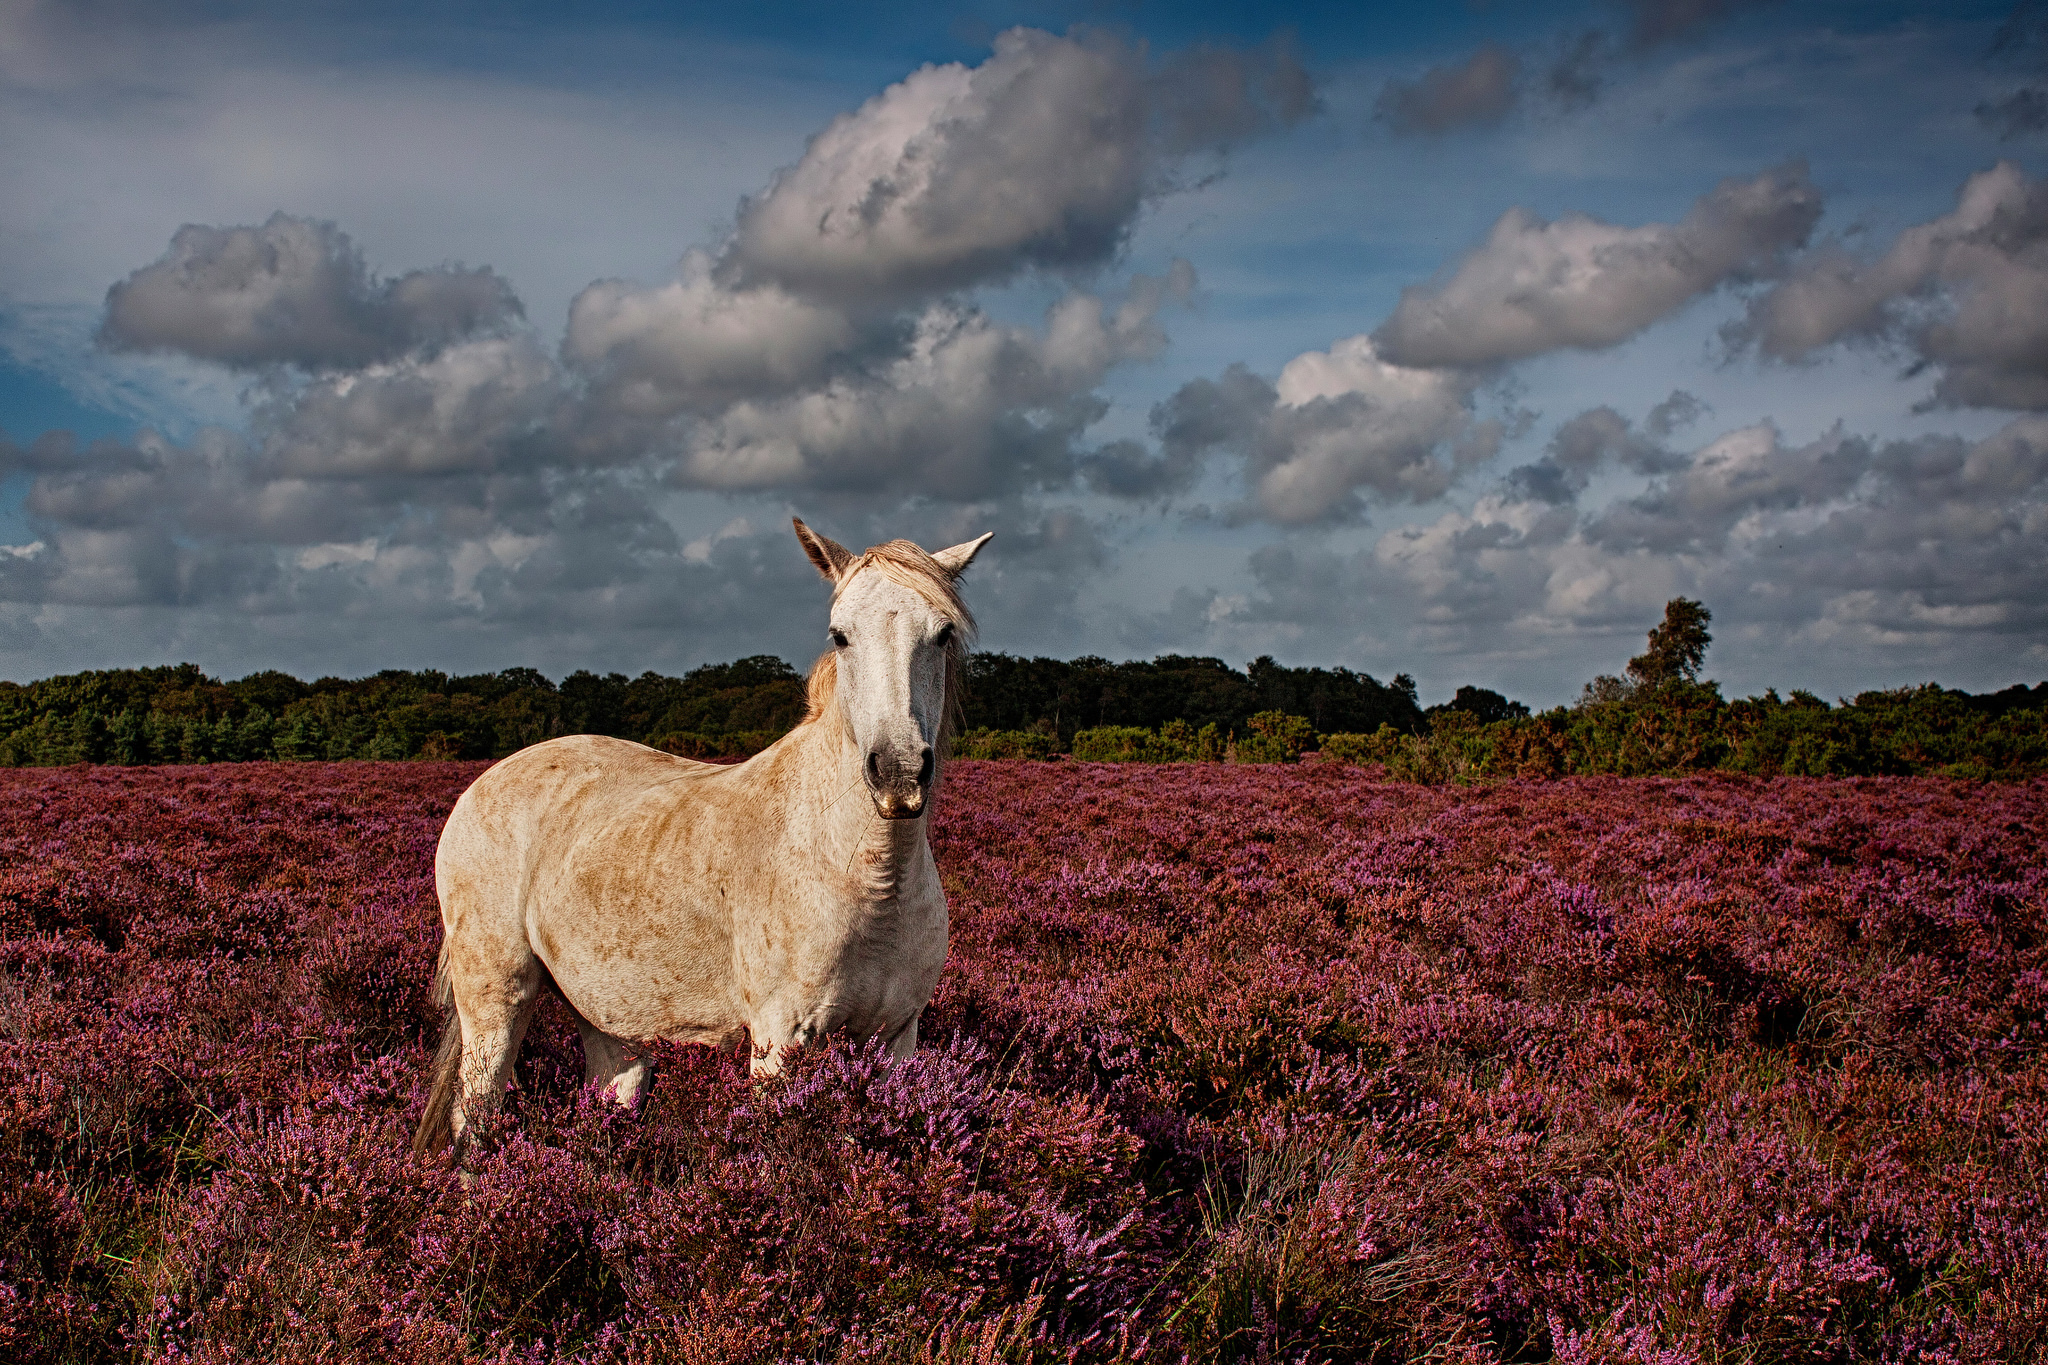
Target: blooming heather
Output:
[{"x": 1229, "y": 1063}]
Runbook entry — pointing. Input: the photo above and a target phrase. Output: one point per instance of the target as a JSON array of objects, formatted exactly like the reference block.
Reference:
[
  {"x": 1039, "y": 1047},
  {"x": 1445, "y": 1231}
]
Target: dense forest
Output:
[
  {"x": 1661, "y": 717},
  {"x": 180, "y": 715}
]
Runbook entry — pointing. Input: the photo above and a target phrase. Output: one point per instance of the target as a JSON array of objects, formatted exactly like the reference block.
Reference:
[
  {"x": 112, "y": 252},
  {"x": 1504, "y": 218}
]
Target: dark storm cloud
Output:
[
  {"x": 1965, "y": 294},
  {"x": 1476, "y": 92},
  {"x": 294, "y": 292}
]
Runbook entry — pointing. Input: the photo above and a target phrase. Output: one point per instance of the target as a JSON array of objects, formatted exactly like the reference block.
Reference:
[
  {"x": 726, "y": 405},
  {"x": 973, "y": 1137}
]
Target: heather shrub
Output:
[{"x": 1257, "y": 1062}]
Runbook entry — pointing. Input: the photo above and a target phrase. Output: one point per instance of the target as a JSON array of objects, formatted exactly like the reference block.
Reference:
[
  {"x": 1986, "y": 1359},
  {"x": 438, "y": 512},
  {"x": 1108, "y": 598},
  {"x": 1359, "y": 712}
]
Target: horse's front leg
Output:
[{"x": 903, "y": 1042}]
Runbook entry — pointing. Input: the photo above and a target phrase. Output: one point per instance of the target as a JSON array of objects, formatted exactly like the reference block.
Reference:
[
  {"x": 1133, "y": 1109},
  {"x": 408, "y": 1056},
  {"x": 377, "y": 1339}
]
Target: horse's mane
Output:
[{"x": 904, "y": 563}]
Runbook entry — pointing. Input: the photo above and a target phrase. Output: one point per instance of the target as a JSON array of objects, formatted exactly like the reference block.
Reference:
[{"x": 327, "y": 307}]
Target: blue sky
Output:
[{"x": 1446, "y": 340}]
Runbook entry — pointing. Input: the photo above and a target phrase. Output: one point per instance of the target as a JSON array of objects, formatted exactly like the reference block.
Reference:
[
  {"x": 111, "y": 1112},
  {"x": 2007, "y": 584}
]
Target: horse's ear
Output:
[
  {"x": 955, "y": 559},
  {"x": 829, "y": 555}
]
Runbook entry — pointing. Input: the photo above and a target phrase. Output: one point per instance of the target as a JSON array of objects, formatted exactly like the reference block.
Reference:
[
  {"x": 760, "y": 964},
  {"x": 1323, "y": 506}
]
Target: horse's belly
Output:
[{"x": 640, "y": 971}]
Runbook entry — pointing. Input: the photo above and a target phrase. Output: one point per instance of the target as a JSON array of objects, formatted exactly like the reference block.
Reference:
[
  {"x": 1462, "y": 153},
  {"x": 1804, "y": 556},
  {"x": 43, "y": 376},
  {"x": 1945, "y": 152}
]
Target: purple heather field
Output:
[{"x": 1278, "y": 1063}]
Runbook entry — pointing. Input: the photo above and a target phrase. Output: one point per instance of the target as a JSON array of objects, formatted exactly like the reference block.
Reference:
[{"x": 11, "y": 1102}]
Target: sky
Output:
[{"x": 1445, "y": 340}]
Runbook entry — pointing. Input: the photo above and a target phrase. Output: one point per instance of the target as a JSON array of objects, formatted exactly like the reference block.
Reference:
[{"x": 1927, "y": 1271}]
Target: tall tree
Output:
[{"x": 1678, "y": 647}]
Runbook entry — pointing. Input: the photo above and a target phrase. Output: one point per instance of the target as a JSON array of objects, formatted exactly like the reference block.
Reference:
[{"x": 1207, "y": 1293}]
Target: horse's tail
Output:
[{"x": 436, "y": 1132}]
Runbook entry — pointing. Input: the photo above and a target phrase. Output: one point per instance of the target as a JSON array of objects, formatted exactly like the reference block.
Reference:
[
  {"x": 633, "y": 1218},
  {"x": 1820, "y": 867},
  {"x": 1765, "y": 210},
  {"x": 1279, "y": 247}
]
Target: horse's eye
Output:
[
  {"x": 945, "y": 634},
  {"x": 838, "y": 638}
]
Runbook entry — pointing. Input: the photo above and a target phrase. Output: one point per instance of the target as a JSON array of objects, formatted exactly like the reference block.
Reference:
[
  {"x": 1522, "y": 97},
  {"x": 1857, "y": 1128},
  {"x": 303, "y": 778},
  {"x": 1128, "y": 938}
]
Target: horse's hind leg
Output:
[
  {"x": 614, "y": 1063},
  {"x": 496, "y": 1001}
]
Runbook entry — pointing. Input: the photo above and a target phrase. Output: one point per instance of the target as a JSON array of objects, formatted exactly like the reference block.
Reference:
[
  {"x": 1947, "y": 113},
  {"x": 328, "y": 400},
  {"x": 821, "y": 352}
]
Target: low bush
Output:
[
  {"x": 1174, "y": 742},
  {"x": 1006, "y": 744}
]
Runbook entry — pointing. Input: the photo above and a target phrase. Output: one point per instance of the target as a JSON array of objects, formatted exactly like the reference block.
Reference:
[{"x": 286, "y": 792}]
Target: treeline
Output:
[
  {"x": 180, "y": 715},
  {"x": 1684, "y": 726},
  {"x": 1660, "y": 718},
  {"x": 1060, "y": 698}
]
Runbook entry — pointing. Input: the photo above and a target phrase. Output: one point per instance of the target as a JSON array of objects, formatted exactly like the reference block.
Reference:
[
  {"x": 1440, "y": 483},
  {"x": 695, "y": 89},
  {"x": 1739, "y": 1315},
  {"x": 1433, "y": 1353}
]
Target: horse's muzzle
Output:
[
  {"x": 897, "y": 794},
  {"x": 907, "y": 806}
]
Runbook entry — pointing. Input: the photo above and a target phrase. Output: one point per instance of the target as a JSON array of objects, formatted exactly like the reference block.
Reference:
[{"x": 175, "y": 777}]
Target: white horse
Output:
[{"x": 784, "y": 897}]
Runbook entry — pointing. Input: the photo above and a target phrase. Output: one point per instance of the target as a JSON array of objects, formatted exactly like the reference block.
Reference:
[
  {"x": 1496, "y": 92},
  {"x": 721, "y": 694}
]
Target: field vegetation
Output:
[{"x": 1272, "y": 1062}]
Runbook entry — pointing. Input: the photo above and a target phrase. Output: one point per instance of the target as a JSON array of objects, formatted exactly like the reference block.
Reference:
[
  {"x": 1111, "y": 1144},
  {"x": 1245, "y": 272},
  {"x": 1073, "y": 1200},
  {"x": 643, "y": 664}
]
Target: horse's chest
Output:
[{"x": 863, "y": 966}]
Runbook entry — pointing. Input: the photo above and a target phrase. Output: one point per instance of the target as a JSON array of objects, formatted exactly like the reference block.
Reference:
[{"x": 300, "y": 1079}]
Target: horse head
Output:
[{"x": 899, "y": 635}]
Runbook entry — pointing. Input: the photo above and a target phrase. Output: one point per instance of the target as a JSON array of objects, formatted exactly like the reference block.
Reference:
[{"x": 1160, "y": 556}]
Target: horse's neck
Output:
[{"x": 831, "y": 810}]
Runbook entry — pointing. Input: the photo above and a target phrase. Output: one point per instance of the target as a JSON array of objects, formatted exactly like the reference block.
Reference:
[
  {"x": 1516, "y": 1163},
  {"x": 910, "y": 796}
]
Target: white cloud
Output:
[
  {"x": 1966, "y": 292},
  {"x": 699, "y": 550},
  {"x": 969, "y": 408},
  {"x": 693, "y": 345},
  {"x": 1537, "y": 286},
  {"x": 1336, "y": 425},
  {"x": 958, "y": 176}
]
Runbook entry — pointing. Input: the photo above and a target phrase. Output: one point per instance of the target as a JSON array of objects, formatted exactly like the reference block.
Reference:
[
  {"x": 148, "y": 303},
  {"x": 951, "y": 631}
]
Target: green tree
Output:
[{"x": 1678, "y": 647}]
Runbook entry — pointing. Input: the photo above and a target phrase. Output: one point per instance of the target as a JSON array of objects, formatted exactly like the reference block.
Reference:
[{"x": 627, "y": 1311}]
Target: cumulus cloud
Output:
[
  {"x": 1477, "y": 92},
  {"x": 1538, "y": 286},
  {"x": 294, "y": 292},
  {"x": 956, "y": 176},
  {"x": 1581, "y": 446},
  {"x": 968, "y": 409},
  {"x": 1739, "y": 477},
  {"x": 1391, "y": 414},
  {"x": 827, "y": 344},
  {"x": 1966, "y": 293},
  {"x": 415, "y": 456},
  {"x": 1864, "y": 560},
  {"x": 694, "y": 345},
  {"x": 474, "y": 407},
  {"x": 1335, "y": 424}
]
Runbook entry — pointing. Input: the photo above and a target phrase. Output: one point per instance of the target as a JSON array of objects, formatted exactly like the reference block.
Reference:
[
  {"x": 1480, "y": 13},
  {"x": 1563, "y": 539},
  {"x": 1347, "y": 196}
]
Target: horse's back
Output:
[{"x": 538, "y": 800}]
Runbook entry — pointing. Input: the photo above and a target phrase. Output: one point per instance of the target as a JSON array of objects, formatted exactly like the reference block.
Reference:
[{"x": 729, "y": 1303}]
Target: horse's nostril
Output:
[
  {"x": 874, "y": 766},
  {"x": 924, "y": 769}
]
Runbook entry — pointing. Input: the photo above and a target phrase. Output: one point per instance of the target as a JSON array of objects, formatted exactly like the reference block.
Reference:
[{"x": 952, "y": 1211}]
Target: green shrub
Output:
[
  {"x": 1275, "y": 737},
  {"x": 1120, "y": 744},
  {"x": 1377, "y": 747},
  {"x": 1006, "y": 744},
  {"x": 1174, "y": 742}
]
